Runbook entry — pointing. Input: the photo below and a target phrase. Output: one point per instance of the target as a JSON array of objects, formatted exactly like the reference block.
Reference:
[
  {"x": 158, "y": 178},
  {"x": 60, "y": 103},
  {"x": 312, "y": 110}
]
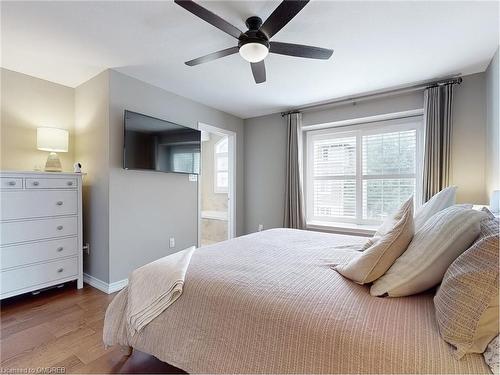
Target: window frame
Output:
[
  {"x": 360, "y": 130},
  {"x": 217, "y": 155}
]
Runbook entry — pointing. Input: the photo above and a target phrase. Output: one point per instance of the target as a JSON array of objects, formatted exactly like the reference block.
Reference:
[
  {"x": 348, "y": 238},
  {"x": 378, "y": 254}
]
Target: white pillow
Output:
[
  {"x": 434, "y": 247},
  {"x": 444, "y": 199},
  {"x": 384, "y": 250}
]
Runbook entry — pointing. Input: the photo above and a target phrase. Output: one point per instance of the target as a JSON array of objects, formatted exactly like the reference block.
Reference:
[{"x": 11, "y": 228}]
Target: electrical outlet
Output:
[
  {"x": 261, "y": 227},
  {"x": 171, "y": 242}
]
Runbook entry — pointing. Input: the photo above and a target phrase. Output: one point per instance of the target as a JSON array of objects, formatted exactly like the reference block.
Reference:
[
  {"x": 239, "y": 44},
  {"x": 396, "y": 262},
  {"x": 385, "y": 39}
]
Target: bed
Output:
[{"x": 270, "y": 303}]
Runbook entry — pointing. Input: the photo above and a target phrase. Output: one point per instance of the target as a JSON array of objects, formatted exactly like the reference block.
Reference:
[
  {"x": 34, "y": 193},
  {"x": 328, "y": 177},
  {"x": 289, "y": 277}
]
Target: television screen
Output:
[{"x": 159, "y": 145}]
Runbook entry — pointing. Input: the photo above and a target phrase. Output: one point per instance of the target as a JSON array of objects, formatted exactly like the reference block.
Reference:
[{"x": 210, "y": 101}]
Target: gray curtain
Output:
[
  {"x": 437, "y": 146},
  {"x": 294, "y": 198}
]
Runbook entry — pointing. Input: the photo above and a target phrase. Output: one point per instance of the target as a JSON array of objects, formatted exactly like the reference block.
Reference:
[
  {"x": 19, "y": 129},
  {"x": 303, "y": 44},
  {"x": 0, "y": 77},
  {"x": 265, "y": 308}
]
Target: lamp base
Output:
[{"x": 53, "y": 163}]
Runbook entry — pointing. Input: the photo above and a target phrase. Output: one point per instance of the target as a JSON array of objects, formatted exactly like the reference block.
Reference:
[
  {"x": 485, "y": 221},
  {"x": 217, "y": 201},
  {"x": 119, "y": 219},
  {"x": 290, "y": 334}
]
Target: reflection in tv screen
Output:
[{"x": 159, "y": 145}]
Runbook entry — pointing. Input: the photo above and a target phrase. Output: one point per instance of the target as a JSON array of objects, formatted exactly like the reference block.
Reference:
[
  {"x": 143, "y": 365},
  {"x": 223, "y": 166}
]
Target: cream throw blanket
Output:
[{"x": 154, "y": 287}]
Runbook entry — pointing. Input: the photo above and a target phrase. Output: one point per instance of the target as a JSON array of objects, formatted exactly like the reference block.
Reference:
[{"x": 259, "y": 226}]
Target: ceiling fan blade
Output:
[
  {"x": 209, "y": 17},
  {"x": 282, "y": 15},
  {"x": 299, "y": 50},
  {"x": 259, "y": 71},
  {"x": 212, "y": 56}
]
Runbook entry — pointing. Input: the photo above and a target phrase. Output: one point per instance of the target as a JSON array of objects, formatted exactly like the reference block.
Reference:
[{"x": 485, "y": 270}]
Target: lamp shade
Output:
[
  {"x": 495, "y": 201},
  {"x": 52, "y": 139}
]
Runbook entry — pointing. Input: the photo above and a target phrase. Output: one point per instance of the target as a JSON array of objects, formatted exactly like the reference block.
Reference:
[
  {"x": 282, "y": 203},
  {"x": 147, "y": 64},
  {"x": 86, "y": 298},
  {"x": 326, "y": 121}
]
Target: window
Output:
[
  {"x": 221, "y": 168},
  {"x": 360, "y": 174},
  {"x": 184, "y": 159}
]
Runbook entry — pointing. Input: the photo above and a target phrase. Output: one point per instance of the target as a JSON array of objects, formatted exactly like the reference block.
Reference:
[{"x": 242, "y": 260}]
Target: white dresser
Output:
[{"x": 40, "y": 231}]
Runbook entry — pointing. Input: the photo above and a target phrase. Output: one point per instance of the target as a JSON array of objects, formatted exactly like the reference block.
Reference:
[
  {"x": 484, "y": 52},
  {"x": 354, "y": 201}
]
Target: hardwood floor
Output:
[{"x": 62, "y": 329}]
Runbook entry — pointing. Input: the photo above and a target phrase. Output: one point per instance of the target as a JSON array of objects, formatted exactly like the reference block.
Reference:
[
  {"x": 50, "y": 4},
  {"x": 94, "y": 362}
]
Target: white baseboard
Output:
[
  {"x": 103, "y": 286},
  {"x": 117, "y": 286}
]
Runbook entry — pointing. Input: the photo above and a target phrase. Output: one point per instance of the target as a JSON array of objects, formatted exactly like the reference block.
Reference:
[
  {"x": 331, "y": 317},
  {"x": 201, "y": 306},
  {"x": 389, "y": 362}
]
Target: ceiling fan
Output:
[{"x": 254, "y": 44}]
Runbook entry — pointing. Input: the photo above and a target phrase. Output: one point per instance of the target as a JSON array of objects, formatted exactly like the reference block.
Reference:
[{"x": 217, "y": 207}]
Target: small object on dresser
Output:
[{"x": 77, "y": 167}]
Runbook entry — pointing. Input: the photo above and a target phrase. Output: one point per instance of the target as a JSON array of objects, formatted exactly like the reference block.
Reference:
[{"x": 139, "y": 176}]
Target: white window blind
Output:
[
  {"x": 389, "y": 172},
  {"x": 364, "y": 174},
  {"x": 334, "y": 169},
  {"x": 184, "y": 159}
]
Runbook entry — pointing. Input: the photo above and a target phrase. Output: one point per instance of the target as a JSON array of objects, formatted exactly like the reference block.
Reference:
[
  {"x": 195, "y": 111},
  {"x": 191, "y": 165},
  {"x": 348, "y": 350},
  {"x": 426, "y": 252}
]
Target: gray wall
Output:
[
  {"x": 468, "y": 164},
  {"x": 265, "y": 148},
  {"x": 92, "y": 150},
  {"x": 129, "y": 216},
  {"x": 146, "y": 208},
  {"x": 492, "y": 131}
]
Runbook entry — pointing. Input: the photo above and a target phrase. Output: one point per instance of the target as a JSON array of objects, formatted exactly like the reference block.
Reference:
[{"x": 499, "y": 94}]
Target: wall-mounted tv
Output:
[{"x": 159, "y": 145}]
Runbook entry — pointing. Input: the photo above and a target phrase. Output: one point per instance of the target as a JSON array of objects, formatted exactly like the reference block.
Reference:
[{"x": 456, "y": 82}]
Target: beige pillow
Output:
[
  {"x": 384, "y": 250},
  {"x": 433, "y": 248},
  {"x": 492, "y": 355},
  {"x": 467, "y": 301},
  {"x": 444, "y": 199}
]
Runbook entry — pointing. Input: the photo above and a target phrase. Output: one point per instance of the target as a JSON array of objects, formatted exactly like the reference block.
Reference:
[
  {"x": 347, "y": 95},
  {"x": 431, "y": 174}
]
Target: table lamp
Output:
[
  {"x": 495, "y": 202},
  {"x": 52, "y": 140}
]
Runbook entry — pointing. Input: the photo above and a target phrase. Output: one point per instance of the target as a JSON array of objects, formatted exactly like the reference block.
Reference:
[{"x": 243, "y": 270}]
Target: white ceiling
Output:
[{"x": 377, "y": 45}]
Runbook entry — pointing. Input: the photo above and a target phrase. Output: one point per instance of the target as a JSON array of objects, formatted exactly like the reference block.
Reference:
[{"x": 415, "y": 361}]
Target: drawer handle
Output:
[
  {"x": 12, "y": 183},
  {"x": 36, "y": 183},
  {"x": 59, "y": 227},
  {"x": 60, "y": 270},
  {"x": 60, "y": 248},
  {"x": 59, "y": 203},
  {"x": 69, "y": 183}
]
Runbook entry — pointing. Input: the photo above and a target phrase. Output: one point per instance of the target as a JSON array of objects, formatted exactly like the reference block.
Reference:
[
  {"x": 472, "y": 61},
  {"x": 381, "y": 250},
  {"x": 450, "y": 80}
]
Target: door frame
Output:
[{"x": 231, "y": 194}]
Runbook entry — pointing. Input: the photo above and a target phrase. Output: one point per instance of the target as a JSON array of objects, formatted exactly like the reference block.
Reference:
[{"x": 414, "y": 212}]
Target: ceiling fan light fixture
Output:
[{"x": 254, "y": 52}]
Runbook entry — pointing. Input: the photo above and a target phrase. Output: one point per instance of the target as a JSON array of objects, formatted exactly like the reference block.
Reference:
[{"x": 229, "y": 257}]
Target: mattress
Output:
[{"x": 270, "y": 303}]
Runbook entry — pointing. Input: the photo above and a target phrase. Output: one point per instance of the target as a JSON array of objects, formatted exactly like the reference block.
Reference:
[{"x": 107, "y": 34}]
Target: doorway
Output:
[{"x": 216, "y": 185}]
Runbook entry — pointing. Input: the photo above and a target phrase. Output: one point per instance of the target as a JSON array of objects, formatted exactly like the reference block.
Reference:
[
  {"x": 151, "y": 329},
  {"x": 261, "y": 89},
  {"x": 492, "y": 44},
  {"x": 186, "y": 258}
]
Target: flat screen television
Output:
[{"x": 159, "y": 145}]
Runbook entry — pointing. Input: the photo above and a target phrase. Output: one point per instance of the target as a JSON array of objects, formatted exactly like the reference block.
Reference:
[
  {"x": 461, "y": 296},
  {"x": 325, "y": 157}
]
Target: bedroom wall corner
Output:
[
  {"x": 493, "y": 125},
  {"x": 28, "y": 103},
  {"x": 92, "y": 150},
  {"x": 265, "y": 150},
  {"x": 146, "y": 208}
]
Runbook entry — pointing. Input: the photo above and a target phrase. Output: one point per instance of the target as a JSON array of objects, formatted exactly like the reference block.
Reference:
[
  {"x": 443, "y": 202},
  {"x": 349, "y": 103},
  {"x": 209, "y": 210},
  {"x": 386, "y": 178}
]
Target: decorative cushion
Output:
[
  {"x": 488, "y": 212},
  {"x": 490, "y": 226},
  {"x": 385, "y": 248},
  {"x": 492, "y": 356},
  {"x": 467, "y": 301},
  {"x": 434, "y": 247},
  {"x": 444, "y": 199}
]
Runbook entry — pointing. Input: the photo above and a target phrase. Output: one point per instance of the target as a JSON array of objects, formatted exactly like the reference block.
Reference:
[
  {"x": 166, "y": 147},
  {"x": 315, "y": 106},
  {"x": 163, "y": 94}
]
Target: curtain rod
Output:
[{"x": 377, "y": 94}]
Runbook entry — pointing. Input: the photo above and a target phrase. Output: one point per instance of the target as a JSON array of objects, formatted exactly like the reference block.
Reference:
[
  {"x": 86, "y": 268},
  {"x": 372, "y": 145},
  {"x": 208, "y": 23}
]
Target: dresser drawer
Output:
[
  {"x": 11, "y": 183},
  {"x": 38, "y": 274},
  {"x": 50, "y": 183},
  {"x": 31, "y": 204},
  {"x": 21, "y": 231},
  {"x": 18, "y": 255}
]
